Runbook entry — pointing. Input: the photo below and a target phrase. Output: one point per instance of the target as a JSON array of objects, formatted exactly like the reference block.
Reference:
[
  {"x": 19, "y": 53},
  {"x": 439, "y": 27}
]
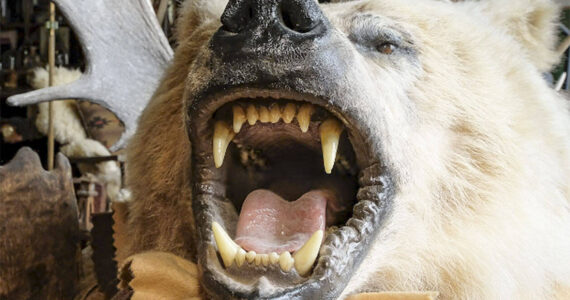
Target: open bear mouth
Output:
[
  {"x": 281, "y": 155},
  {"x": 285, "y": 195}
]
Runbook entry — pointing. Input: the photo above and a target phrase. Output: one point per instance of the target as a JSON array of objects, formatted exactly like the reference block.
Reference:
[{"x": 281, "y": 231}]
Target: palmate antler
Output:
[{"x": 126, "y": 53}]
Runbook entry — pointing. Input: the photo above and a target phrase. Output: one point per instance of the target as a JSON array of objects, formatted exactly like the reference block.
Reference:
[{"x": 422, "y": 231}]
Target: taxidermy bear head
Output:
[{"x": 305, "y": 150}]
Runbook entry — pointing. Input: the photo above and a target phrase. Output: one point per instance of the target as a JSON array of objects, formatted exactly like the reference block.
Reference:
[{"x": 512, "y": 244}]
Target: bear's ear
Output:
[
  {"x": 533, "y": 23},
  {"x": 193, "y": 13}
]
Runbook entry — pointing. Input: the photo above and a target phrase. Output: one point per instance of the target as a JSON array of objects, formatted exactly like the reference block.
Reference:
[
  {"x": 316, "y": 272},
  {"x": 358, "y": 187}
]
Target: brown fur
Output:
[{"x": 159, "y": 162}]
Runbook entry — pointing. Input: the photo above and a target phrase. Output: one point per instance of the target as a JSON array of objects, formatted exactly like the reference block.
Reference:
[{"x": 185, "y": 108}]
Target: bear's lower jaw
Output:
[{"x": 269, "y": 146}]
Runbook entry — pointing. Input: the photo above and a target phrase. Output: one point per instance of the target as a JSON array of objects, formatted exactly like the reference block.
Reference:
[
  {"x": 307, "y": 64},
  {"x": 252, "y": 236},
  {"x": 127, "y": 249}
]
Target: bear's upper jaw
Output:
[{"x": 286, "y": 194}]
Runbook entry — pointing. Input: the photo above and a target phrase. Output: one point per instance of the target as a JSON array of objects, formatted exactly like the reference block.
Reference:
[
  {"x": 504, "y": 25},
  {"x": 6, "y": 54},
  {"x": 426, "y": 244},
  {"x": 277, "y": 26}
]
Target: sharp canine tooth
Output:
[
  {"x": 330, "y": 134},
  {"x": 306, "y": 256},
  {"x": 263, "y": 114},
  {"x": 274, "y": 113},
  {"x": 252, "y": 114},
  {"x": 226, "y": 246},
  {"x": 273, "y": 257},
  {"x": 285, "y": 261},
  {"x": 289, "y": 112},
  {"x": 239, "y": 117},
  {"x": 250, "y": 256},
  {"x": 223, "y": 135},
  {"x": 240, "y": 257},
  {"x": 304, "y": 116}
]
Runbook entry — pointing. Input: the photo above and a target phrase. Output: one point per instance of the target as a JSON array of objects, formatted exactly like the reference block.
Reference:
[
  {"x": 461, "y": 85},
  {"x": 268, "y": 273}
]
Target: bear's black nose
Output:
[
  {"x": 271, "y": 29},
  {"x": 299, "y": 16}
]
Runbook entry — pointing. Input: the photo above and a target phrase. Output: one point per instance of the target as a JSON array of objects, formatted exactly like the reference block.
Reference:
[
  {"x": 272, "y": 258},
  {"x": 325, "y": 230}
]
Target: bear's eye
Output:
[{"x": 386, "y": 48}]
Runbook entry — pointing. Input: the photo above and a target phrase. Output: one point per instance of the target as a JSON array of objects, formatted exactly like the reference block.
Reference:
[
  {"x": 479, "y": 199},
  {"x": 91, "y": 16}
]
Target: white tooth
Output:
[
  {"x": 252, "y": 114},
  {"x": 223, "y": 135},
  {"x": 258, "y": 260},
  {"x": 274, "y": 113},
  {"x": 265, "y": 259},
  {"x": 289, "y": 112},
  {"x": 304, "y": 116},
  {"x": 306, "y": 256},
  {"x": 239, "y": 118},
  {"x": 263, "y": 114},
  {"x": 285, "y": 261},
  {"x": 240, "y": 257},
  {"x": 226, "y": 246},
  {"x": 273, "y": 257},
  {"x": 330, "y": 134},
  {"x": 250, "y": 256}
]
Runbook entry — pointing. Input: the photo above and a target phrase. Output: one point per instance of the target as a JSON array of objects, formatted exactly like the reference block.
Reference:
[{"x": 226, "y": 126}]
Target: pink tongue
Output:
[{"x": 267, "y": 223}]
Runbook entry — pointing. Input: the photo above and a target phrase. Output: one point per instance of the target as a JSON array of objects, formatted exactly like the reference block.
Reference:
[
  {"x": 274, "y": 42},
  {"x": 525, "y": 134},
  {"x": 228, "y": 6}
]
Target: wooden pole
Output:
[
  {"x": 560, "y": 83},
  {"x": 564, "y": 45},
  {"x": 51, "y": 62}
]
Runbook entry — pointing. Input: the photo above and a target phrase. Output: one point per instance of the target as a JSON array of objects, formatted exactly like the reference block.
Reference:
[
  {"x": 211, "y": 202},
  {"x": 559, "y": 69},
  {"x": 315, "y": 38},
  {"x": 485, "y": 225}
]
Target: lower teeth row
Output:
[{"x": 303, "y": 259}]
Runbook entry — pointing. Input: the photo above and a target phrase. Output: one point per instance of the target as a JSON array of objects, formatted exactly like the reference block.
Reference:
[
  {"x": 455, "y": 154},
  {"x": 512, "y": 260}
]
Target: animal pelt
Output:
[
  {"x": 478, "y": 141},
  {"x": 70, "y": 133}
]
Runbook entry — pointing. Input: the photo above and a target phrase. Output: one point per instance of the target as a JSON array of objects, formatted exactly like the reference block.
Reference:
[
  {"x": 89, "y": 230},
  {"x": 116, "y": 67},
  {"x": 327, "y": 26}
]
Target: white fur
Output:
[
  {"x": 478, "y": 143},
  {"x": 67, "y": 125},
  {"x": 482, "y": 211}
]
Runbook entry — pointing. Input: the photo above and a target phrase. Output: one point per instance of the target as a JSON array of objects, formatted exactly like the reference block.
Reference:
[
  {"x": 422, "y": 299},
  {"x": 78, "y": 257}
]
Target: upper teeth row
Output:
[
  {"x": 303, "y": 259},
  {"x": 272, "y": 114},
  {"x": 329, "y": 129}
]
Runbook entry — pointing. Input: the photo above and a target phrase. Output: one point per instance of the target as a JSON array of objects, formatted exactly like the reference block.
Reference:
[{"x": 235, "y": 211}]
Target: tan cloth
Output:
[
  {"x": 395, "y": 296},
  {"x": 161, "y": 275}
]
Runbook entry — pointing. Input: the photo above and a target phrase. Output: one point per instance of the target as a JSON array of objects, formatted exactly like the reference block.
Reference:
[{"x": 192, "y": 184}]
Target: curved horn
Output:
[{"x": 126, "y": 53}]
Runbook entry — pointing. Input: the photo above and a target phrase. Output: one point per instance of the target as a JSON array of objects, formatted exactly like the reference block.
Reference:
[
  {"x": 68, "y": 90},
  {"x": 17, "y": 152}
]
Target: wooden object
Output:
[
  {"x": 103, "y": 257},
  {"x": 126, "y": 53},
  {"x": 38, "y": 229},
  {"x": 51, "y": 62}
]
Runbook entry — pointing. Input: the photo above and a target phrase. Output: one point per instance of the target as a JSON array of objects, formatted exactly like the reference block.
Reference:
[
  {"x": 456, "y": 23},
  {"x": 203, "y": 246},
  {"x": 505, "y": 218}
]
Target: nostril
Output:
[
  {"x": 287, "y": 21},
  {"x": 236, "y": 19},
  {"x": 296, "y": 17}
]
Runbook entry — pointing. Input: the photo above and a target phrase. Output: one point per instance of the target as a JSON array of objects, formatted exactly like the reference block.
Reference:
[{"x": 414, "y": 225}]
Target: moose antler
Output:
[{"x": 126, "y": 54}]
